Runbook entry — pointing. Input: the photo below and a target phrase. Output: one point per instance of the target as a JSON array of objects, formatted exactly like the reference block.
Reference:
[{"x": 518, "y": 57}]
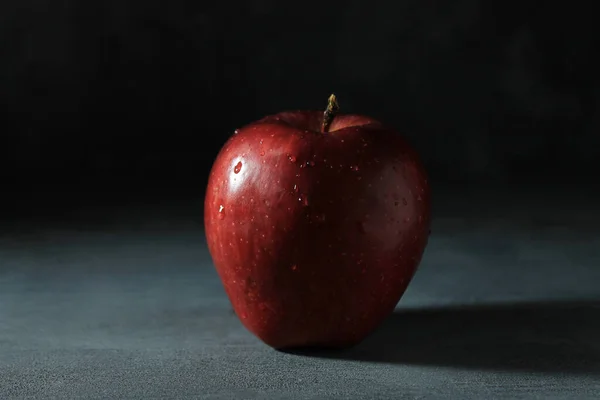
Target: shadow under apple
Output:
[{"x": 538, "y": 337}]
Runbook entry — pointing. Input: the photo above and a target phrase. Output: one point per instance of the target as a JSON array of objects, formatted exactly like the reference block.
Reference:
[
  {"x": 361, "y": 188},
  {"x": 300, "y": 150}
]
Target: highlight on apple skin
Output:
[{"x": 316, "y": 223}]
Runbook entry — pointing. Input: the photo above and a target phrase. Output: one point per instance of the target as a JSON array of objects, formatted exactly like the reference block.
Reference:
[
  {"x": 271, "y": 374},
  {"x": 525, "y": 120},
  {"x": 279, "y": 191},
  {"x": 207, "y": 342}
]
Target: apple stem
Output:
[{"x": 330, "y": 112}]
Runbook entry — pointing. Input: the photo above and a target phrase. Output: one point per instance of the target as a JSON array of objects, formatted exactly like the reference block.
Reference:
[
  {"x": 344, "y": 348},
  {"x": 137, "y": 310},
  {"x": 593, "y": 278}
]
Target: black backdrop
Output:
[{"x": 146, "y": 90}]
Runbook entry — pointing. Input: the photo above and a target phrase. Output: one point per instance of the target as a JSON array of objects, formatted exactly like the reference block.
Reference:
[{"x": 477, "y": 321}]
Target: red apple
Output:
[{"x": 316, "y": 224}]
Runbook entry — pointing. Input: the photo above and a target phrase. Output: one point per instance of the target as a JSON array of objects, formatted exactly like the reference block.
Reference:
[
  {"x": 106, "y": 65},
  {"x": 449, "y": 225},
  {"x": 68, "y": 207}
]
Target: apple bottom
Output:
[{"x": 328, "y": 320}]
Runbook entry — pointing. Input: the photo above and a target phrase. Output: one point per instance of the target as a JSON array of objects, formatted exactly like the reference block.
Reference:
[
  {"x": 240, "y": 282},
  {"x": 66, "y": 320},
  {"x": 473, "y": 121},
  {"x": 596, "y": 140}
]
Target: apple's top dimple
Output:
[
  {"x": 311, "y": 121},
  {"x": 351, "y": 121}
]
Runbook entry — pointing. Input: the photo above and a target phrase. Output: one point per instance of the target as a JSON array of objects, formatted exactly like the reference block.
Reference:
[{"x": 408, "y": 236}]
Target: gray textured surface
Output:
[{"x": 504, "y": 306}]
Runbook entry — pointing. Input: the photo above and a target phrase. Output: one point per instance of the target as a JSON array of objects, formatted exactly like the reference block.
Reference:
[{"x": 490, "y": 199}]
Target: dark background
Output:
[{"x": 145, "y": 91}]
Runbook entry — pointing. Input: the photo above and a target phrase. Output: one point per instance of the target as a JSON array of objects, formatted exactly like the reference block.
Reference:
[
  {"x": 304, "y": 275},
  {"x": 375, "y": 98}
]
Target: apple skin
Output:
[{"x": 315, "y": 235}]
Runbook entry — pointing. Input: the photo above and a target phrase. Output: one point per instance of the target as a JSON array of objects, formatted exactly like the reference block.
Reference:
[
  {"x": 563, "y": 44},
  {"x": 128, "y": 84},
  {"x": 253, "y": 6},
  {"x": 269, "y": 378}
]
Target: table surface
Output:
[{"x": 505, "y": 305}]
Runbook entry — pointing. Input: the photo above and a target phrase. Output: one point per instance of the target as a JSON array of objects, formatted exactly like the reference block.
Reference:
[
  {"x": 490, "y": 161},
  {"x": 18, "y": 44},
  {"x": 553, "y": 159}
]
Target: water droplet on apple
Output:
[
  {"x": 221, "y": 212},
  {"x": 310, "y": 163},
  {"x": 238, "y": 167},
  {"x": 236, "y": 131},
  {"x": 296, "y": 188},
  {"x": 292, "y": 158},
  {"x": 262, "y": 153},
  {"x": 266, "y": 202},
  {"x": 294, "y": 267},
  {"x": 354, "y": 168},
  {"x": 304, "y": 200},
  {"x": 261, "y": 141}
]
